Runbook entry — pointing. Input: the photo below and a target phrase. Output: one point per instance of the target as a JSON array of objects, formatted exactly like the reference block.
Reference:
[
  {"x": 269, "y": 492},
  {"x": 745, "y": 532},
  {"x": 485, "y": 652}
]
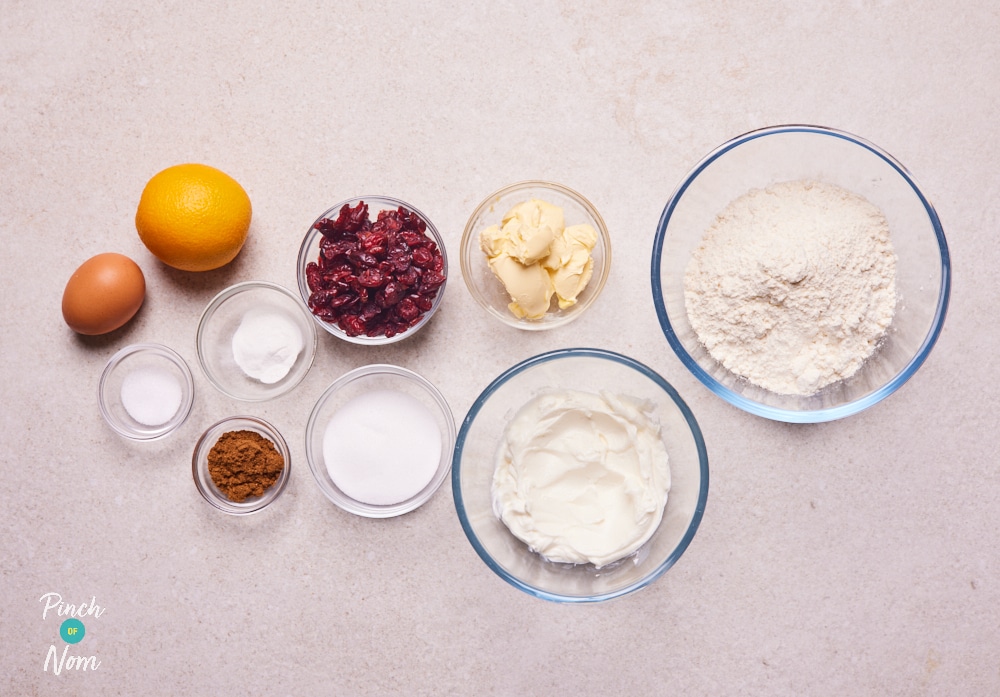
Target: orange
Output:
[{"x": 193, "y": 217}]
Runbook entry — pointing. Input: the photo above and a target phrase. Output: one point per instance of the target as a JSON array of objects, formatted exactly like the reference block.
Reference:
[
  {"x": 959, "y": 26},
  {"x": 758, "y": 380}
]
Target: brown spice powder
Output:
[{"x": 243, "y": 464}]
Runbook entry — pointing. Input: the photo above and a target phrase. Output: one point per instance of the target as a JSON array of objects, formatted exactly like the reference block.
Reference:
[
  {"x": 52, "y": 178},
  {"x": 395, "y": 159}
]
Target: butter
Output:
[
  {"x": 582, "y": 477},
  {"x": 529, "y": 287},
  {"x": 536, "y": 256},
  {"x": 570, "y": 262}
]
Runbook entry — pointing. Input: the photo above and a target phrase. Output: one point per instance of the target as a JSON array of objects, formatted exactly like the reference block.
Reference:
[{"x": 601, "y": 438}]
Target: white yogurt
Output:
[{"x": 582, "y": 477}]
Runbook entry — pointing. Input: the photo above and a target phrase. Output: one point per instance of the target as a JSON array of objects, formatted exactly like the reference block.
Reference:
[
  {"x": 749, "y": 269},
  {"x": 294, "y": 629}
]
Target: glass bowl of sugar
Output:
[
  {"x": 379, "y": 441},
  {"x": 256, "y": 341},
  {"x": 145, "y": 392},
  {"x": 800, "y": 273}
]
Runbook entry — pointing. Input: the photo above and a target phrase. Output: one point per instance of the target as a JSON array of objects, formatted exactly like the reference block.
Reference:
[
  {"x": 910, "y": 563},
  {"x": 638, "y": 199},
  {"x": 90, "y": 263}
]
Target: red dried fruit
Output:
[
  {"x": 370, "y": 278},
  {"x": 314, "y": 278},
  {"x": 374, "y": 278},
  {"x": 422, "y": 257}
]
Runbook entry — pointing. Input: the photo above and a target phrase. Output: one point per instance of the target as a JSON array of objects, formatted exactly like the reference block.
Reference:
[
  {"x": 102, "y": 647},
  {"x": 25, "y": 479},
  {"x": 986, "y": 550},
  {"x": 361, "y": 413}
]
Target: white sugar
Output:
[{"x": 382, "y": 447}]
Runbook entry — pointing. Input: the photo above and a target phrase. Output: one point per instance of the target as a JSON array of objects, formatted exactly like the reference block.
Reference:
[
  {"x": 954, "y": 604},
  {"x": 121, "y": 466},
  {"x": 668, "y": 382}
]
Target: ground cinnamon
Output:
[{"x": 243, "y": 464}]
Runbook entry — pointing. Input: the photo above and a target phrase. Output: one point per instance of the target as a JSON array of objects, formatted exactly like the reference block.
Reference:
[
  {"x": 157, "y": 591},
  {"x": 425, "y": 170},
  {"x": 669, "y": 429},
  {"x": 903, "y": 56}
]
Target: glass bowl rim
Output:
[
  {"x": 301, "y": 262},
  {"x": 366, "y": 510},
  {"x": 216, "y": 302},
  {"x": 183, "y": 412},
  {"x": 602, "y": 231},
  {"x": 777, "y": 413},
  {"x": 554, "y": 355},
  {"x": 276, "y": 489}
]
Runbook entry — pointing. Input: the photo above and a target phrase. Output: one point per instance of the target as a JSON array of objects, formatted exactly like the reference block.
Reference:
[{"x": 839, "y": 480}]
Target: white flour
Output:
[{"x": 793, "y": 286}]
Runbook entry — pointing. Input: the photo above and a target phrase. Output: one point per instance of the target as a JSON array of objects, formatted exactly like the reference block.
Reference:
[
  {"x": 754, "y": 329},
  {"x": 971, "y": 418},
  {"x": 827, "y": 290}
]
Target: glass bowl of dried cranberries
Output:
[
  {"x": 372, "y": 270},
  {"x": 535, "y": 254}
]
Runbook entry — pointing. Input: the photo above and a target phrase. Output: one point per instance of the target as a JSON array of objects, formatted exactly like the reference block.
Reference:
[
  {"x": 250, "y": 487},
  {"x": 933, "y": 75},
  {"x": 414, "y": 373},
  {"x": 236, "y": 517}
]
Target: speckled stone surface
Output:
[{"x": 855, "y": 557}]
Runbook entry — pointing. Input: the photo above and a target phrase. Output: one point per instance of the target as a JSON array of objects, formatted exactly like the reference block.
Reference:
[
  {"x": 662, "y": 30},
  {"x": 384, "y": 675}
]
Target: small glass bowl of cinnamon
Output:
[{"x": 241, "y": 464}]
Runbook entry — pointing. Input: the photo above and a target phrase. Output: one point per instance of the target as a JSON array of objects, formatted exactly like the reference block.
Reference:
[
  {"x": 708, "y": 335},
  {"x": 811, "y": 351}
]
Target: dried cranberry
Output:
[
  {"x": 407, "y": 309},
  {"x": 389, "y": 295},
  {"x": 422, "y": 257},
  {"x": 352, "y": 324},
  {"x": 408, "y": 277},
  {"x": 370, "y": 278},
  {"x": 432, "y": 280},
  {"x": 411, "y": 237},
  {"x": 314, "y": 278},
  {"x": 341, "y": 248},
  {"x": 423, "y": 302}
]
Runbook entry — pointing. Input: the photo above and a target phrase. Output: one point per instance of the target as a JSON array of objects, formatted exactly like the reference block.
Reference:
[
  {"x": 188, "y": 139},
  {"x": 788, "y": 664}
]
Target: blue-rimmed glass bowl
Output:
[
  {"x": 787, "y": 153},
  {"x": 592, "y": 370}
]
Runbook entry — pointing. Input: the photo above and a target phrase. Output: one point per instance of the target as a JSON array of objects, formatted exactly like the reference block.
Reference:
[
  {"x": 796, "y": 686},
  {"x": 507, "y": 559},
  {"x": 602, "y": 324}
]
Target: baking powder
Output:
[
  {"x": 793, "y": 286},
  {"x": 266, "y": 345}
]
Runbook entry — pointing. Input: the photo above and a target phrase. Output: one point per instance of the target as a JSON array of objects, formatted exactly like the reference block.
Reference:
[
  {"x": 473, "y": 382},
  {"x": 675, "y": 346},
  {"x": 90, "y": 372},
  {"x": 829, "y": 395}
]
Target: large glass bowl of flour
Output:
[{"x": 800, "y": 273}]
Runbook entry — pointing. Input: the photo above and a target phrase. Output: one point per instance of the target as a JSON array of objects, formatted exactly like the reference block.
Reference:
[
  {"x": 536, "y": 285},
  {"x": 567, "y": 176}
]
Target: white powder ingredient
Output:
[
  {"x": 793, "y": 286},
  {"x": 382, "y": 447},
  {"x": 266, "y": 345},
  {"x": 151, "y": 396}
]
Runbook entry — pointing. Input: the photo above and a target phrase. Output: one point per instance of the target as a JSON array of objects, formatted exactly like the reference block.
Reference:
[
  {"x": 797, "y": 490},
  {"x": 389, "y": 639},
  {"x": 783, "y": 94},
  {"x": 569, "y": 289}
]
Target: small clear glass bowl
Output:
[
  {"x": 481, "y": 433},
  {"x": 359, "y": 382},
  {"x": 203, "y": 480},
  {"x": 150, "y": 357},
  {"x": 788, "y": 153},
  {"x": 489, "y": 291},
  {"x": 221, "y": 319},
  {"x": 309, "y": 251}
]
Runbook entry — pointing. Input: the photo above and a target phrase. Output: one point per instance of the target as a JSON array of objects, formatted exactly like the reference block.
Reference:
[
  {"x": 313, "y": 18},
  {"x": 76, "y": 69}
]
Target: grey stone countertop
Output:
[{"x": 853, "y": 557}]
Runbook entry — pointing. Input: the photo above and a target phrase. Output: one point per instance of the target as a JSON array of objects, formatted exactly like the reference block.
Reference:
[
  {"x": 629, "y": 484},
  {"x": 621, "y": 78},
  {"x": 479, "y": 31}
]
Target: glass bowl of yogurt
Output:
[
  {"x": 800, "y": 273},
  {"x": 256, "y": 341},
  {"x": 379, "y": 441},
  {"x": 580, "y": 475},
  {"x": 535, "y": 255}
]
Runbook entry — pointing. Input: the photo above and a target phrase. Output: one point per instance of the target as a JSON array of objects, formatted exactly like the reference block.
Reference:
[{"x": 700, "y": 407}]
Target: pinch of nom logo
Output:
[{"x": 71, "y": 631}]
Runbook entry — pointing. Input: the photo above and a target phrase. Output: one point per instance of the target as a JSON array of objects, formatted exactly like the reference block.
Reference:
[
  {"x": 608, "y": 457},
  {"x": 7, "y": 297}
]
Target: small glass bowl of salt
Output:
[
  {"x": 145, "y": 392},
  {"x": 256, "y": 341}
]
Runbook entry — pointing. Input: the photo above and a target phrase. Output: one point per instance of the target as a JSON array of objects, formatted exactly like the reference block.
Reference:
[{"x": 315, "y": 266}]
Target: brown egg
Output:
[{"x": 103, "y": 294}]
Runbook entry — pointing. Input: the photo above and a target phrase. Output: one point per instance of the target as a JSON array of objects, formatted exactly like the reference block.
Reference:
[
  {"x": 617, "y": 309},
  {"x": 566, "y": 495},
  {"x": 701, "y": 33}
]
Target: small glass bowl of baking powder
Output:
[
  {"x": 256, "y": 341},
  {"x": 245, "y": 427},
  {"x": 379, "y": 441},
  {"x": 768, "y": 164},
  {"x": 145, "y": 392}
]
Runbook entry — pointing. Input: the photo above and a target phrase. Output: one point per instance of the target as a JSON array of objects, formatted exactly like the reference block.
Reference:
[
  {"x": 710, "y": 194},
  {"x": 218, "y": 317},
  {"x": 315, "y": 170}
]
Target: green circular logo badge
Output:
[{"x": 72, "y": 631}]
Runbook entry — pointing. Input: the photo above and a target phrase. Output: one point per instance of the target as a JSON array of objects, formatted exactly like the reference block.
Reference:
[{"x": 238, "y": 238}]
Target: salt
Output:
[
  {"x": 382, "y": 447},
  {"x": 266, "y": 345},
  {"x": 151, "y": 396}
]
